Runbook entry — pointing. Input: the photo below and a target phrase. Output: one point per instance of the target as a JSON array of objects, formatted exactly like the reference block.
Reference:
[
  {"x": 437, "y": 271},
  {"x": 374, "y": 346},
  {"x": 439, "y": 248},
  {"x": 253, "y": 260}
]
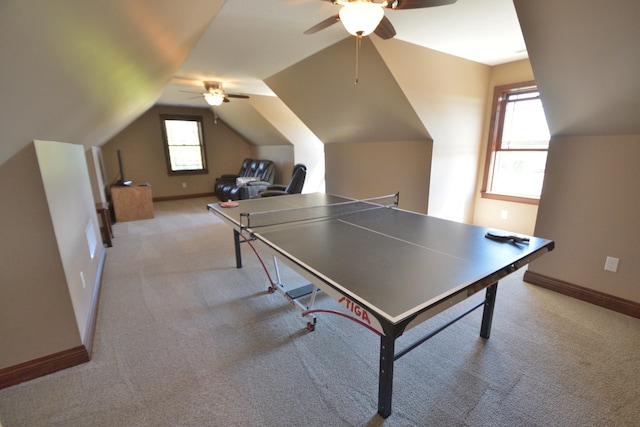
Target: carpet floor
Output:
[{"x": 183, "y": 338}]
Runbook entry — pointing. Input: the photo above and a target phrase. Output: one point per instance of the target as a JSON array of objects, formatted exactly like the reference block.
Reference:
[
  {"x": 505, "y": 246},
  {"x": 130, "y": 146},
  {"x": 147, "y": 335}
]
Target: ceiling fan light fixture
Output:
[
  {"x": 361, "y": 18},
  {"x": 213, "y": 99}
]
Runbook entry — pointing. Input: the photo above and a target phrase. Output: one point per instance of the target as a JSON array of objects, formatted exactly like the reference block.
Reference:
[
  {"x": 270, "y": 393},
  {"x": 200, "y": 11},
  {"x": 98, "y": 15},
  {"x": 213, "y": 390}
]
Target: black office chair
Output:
[{"x": 298, "y": 175}]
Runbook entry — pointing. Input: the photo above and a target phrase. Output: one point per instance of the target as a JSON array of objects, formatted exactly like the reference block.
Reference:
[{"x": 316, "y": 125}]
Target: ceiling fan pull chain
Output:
[{"x": 358, "y": 41}]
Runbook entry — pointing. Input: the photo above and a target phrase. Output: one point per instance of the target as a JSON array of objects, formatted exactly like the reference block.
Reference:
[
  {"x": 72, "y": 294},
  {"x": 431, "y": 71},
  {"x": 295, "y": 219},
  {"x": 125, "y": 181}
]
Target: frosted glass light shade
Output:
[
  {"x": 214, "y": 99},
  {"x": 361, "y": 18}
]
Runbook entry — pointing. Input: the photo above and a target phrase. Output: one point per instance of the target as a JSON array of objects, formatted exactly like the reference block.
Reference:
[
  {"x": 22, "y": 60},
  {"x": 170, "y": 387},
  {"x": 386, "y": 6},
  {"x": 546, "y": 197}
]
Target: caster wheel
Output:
[
  {"x": 311, "y": 327},
  {"x": 271, "y": 289}
]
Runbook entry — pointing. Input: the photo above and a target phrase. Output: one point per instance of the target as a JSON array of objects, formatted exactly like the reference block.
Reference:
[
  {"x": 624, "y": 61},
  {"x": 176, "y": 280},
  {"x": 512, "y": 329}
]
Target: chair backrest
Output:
[
  {"x": 296, "y": 167},
  {"x": 244, "y": 168},
  {"x": 264, "y": 170},
  {"x": 297, "y": 179}
]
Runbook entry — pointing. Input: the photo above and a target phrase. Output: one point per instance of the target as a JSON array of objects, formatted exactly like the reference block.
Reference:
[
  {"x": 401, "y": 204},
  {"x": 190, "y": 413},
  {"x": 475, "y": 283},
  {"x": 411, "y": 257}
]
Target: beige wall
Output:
[
  {"x": 36, "y": 313},
  {"x": 439, "y": 100},
  {"x": 362, "y": 170},
  {"x": 448, "y": 94},
  {"x": 143, "y": 155},
  {"x": 590, "y": 207},
  {"x": 99, "y": 71},
  {"x": 372, "y": 124},
  {"x": 306, "y": 147},
  {"x": 95, "y": 166},
  {"x": 521, "y": 217},
  {"x": 64, "y": 172},
  {"x": 282, "y": 157}
]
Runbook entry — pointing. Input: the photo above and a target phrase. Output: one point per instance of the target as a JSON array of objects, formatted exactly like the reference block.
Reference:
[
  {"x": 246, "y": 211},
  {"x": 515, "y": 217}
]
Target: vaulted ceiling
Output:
[
  {"x": 585, "y": 56},
  {"x": 80, "y": 71},
  {"x": 250, "y": 43}
]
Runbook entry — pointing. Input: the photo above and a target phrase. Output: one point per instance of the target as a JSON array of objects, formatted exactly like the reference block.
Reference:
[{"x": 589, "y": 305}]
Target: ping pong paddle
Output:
[
  {"x": 229, "y": 204},
  {"x": 506, "y": 238}
]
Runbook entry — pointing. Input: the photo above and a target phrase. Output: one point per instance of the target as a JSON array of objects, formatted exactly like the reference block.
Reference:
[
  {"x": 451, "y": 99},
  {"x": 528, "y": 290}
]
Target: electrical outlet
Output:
[
  {"x": 504, "y": 214},
  {"x": 184, "y": 185},
  {"x": 611, "y": 264}
]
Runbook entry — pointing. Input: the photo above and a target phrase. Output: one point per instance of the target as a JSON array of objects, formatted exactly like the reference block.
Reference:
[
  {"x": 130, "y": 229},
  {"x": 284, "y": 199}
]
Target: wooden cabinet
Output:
[{"x": 133, "y": 202}]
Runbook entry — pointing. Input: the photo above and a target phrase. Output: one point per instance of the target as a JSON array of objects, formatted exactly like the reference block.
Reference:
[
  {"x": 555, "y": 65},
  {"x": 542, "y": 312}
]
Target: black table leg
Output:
[
  {"x": 487, "y": 314},
  {"x": 236, "y": 243},
  {"x": 385, "y": 381}
]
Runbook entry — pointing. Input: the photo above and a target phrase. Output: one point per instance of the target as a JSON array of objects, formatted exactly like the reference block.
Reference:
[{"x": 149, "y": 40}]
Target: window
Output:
[
  {"x": 184, "y": 145},
  {"x": 518, "y": 145}
]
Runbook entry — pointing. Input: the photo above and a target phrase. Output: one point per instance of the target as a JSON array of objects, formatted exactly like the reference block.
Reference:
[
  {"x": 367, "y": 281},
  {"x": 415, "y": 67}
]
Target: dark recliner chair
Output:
[
  {"x": 236, "y": 187},
  {"x": 229, "y": 179},
  {"x": 298, "y": 176}
]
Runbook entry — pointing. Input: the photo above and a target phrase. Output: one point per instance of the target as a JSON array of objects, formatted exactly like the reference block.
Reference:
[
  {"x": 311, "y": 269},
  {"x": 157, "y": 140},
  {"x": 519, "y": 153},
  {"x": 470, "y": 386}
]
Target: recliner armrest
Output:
[
  {"x": 271, "y": 193},
  {"x": 279, "y": 187},
  {"x": 250, "y": 190},
  {"x": 264, "y": 184},
  {"x": 227, "y": 177}
]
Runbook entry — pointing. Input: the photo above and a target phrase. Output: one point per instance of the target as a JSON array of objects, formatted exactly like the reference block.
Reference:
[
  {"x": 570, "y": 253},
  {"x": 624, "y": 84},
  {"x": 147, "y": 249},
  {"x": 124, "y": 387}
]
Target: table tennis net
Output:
[{"x": 311, "y": 213}]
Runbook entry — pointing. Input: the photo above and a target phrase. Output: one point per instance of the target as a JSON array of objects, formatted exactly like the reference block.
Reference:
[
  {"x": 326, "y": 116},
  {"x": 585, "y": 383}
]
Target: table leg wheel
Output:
[
  {"x": 311, "y": 327},
  {"x": 271, "y": 289}
]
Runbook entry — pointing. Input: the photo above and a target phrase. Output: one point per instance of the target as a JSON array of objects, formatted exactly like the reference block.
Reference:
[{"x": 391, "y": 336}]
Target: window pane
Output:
[
  {"x": 181, "y": 132},
  {"x": 519, "y": 173},
  {"x": 522, "y": 95},
  {"x": 525, "y": 126},
  {"x": 184, "y": 144},
  {"x": 185, "y": 157}
]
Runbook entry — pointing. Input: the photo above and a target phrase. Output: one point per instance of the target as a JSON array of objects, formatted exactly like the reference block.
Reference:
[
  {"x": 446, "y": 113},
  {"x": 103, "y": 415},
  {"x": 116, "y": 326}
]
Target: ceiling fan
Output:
[
  {"x": 363, "y": 17},
  {"x": 215, "y": 95}
]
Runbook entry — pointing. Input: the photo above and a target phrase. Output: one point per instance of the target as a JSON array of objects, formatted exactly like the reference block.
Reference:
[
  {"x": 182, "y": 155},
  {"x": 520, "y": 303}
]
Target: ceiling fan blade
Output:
[
  {"x": 322, "y": 25},
  {"x": 385, "y": 30},
  {"x": 418, "y": 4},
  {"x": 234, "y": 95}
]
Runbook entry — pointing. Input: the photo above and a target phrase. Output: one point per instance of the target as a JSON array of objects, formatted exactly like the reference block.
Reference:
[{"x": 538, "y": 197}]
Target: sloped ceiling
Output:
[
  {"x": 79, "y": 71},
  {"x": 323, "y": 92},
  {"x": 246, "y": 120},
  {"x": 250, "y": 41},
  {"x": 585, "y": 55}
]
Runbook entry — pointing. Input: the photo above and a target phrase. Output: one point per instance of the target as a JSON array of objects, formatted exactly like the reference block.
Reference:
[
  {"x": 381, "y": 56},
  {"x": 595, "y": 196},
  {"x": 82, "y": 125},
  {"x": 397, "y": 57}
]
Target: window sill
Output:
[
  {"x": 188, "y": 172},
  {"x": 508, "y": 198}
]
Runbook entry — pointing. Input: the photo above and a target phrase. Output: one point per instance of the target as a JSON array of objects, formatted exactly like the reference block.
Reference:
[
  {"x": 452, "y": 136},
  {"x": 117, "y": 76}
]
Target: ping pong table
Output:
[{"x": 389, "y": 268}]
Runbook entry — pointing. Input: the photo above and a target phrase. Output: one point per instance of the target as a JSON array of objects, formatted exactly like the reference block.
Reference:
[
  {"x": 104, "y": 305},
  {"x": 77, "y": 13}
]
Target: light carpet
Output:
[{"x": 184, "y": 338}]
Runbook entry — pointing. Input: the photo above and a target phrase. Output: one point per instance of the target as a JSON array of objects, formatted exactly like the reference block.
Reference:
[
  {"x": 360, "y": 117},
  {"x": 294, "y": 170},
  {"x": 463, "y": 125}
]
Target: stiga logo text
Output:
[{"x": 355, "y": 309}]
